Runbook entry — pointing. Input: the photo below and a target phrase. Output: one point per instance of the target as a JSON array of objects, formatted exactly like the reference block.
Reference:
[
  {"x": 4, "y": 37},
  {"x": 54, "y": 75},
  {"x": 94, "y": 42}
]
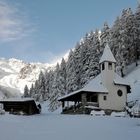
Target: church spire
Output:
[{"x": 107, "y": 56}]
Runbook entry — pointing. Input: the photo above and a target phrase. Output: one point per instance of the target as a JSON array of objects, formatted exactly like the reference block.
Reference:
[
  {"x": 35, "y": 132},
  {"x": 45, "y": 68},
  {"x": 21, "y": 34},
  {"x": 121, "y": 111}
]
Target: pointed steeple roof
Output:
[{"x": 107, "y": 55}]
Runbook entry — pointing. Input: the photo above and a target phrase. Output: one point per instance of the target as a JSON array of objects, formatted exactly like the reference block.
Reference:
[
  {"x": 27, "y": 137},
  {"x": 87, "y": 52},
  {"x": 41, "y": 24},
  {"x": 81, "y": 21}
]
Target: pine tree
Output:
[
  {"x": 94, "y": 56},
  {"x": 105, "y": 36},
  {"x": 50, "y": 82},
  {"x": 85, "y": 59},
  {"x": 90, "y": 57},
  {"x": 47, "y": 88},
  {"x": 128, "y": 36},
  {"x": 115, "y": 41},
  {"x": 36, "y": 95},
  {"x": 137, "y": 33},
  {"x": 41, "y": 86},
  {"x": 62, "y": 74},
  {"x": 78, "y": 64},
  {"x": 56, "y": 91},
  {"x": 71, "y": 80},
  {"x": 26, "y": 92},
  {"x": 31, "y": 91}
]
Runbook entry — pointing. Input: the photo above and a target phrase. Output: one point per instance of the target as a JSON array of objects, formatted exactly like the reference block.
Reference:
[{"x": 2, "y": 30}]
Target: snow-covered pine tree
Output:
[
  {"x": 71, "y": 81},
  {"x": 59, "y": 85},
  {"x": 47, "y": 81},
  {"x": 78, "y": 64},
  {"x": 56, "y": 91},
  {"x": 85, "y": 55},
  {"x": 62, "y": 74},
  {"x": 128, "y": 40},
  {"x": 115, "y": 41},
  {"x": 36, "y": 95},
  {"x": 50, "y": 82},
  {"x": 137, "y": 33},
  {"x": 31, "y": 91},
  {"x": 42, "y": 88},
  {"x": 26, "y": 91},
  {"x": 104, "y": 37},
  {"x": 94, "y": 55},
  {"x": 119, "y": 40},
  {"x": 122, "y": 48}
]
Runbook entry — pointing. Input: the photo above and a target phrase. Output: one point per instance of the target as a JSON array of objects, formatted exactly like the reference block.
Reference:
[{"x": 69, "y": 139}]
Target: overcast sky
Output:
[{"x": 44, "y": 30}]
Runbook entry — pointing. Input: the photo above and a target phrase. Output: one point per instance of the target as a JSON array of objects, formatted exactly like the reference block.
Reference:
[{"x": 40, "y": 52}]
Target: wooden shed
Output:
[{"x": 25, "y": 106}]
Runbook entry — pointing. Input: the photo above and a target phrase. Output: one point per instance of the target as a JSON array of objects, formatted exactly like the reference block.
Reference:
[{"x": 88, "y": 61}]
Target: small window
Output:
[
  {"x": 104, "y": 98},
  {"x": 110, "y": 66},
  {"x": 120, "y": 93},
  {"x": 93, "y": 99},
  {"x": 103, "y": 66}
]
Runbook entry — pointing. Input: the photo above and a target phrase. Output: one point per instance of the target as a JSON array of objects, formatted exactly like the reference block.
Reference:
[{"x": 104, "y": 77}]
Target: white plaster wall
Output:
[
  {"x": 107, "y": 76},
  {"x": 113, "y": 102}
]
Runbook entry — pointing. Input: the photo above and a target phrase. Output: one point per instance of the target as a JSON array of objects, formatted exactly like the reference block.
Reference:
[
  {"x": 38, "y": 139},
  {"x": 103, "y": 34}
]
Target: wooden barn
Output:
[{"x": 26, "y": 106}]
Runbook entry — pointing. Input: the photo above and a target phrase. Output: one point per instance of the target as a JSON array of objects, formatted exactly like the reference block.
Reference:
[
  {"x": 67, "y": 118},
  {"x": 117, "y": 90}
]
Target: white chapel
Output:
[{"x": 108, "y": 90}]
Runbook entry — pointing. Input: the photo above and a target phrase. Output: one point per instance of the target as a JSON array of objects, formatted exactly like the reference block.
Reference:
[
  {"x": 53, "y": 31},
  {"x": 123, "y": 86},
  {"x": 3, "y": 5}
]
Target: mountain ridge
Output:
[{"x": 15, "y": 74}]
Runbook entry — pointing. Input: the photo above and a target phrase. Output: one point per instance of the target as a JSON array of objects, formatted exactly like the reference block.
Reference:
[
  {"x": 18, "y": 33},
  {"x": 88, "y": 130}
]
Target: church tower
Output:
[{"x": 107, "y": 66}]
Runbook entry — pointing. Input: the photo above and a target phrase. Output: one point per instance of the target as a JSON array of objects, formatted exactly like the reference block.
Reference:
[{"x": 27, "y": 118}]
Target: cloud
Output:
[
  {"x": 45, "y": 57},
  {"x": 56, "y": 58},
  {"x": 13, "y": 26}
]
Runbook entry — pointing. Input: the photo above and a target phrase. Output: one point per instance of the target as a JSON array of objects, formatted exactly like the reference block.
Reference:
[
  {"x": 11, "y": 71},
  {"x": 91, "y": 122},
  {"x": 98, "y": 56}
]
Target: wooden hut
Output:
[{"x": 25, "y": 106}]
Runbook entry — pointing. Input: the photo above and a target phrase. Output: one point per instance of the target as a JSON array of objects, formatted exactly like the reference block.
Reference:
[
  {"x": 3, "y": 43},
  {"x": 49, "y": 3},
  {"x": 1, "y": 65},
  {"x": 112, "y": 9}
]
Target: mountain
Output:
[{"x": 15, "y": 74}]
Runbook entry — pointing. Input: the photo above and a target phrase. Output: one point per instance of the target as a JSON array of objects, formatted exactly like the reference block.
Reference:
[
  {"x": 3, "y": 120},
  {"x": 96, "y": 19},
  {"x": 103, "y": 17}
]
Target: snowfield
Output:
[
  {"x": 54, "y": 126},
  {"x": 50, "y": 126}
]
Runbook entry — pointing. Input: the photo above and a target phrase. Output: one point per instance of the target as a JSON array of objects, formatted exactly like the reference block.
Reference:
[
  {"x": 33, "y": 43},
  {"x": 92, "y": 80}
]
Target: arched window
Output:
[
  {"x": 110, "y": 66},
  {"x": 103, "y": 66},
  {"x": 105, "y": 98},
  {"x": 120, "y": 93}
]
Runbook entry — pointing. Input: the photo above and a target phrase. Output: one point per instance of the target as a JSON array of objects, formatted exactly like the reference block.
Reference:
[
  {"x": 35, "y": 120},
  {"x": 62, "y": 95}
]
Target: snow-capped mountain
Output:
[{"x": 15, "y": 74}]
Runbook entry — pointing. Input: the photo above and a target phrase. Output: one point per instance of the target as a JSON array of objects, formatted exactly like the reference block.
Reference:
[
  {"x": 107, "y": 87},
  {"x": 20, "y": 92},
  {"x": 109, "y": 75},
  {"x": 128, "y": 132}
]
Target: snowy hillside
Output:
[
  {"x": 15, "y": 74},
  {"x": 134, "y": 78}
]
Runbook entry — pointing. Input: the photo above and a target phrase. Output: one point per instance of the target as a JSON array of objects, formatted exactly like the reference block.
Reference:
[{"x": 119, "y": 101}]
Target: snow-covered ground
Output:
[{"x": 54, "y": 126}]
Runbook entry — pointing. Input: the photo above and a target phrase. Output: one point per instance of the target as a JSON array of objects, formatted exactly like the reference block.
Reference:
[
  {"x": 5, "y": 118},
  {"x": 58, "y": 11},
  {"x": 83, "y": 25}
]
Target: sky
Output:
[{"x": 45, "y": 30}]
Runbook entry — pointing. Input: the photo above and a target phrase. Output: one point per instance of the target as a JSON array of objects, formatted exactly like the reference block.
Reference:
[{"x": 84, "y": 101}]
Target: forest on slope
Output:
[{"x": 82, "y": 63}]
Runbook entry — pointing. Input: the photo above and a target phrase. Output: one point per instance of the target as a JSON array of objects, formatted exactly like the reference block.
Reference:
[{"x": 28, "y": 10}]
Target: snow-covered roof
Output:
[
  {"x": 120, "y": 81},
  {"x": 95, "y": 85},
  {"x": 17, "y": 99},
  {"x": 70, "y": 94},
  {"x": 107, "y": 55}
]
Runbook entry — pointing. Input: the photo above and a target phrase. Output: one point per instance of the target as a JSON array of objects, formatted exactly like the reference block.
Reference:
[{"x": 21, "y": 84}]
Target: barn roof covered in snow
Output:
[
  {"x": 17, "y": 99},
  {"x": 107, "y": 55}
]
